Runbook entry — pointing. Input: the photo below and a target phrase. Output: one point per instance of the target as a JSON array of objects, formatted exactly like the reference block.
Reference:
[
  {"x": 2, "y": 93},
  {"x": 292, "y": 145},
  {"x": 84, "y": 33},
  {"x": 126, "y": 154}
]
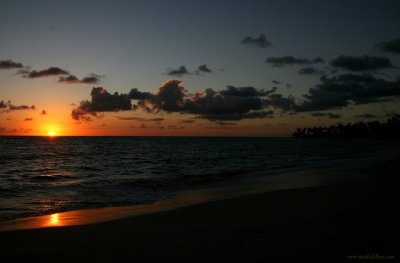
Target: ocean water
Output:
[{"x": 44, "y": 175}]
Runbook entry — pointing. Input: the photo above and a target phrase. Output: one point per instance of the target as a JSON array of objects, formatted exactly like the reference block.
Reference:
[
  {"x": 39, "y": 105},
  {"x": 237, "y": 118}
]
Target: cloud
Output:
[
  {"x": 290, "y": 60},
  {"x": 4, "y": 130},
  {"x": 392, "y": 45},
  {"x": 29, "y": 119},
  {"x": 52, "y": 71},
  {"x": 275, "y": 82},
  {"x": 238, "y": 116},
  {"x": 205, "y": 69},
  {"x": 71, "y": 79},
  {"x": 7, "y": 106},
  {"x": 366, "y": 116},
  {"x": 326, "y": 114},
  {"x": 92, "y": 79},
  {"x": 392, "y": 114},
  {"x": 230, "y": 104},
  {"x": 102, "y": 101},
  {"x": 174, "y": 127},
  {"x": 344, "y": 89},
  {"x": 224, "y": 123},
  {"x": 310, "y": 71},
  {"x": 339, "y": 91},
  {"x": 188, "y": 121},
  {"x": 43, "y": 112},
  {"x": 245, "y": 92},
  {"x": 261, "y": 41},
  {"x": 137, "y": 119},
  {"x": 361, "y": 63},
  {"x": 9, "y": 64},
  {"x": 3, "y": 105},
  {"x": 178, "y": 72}
]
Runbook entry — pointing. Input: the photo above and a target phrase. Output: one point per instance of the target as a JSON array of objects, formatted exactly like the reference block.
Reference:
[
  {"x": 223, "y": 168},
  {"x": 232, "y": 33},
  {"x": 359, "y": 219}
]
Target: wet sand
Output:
[{"x": 339, "y": 222}]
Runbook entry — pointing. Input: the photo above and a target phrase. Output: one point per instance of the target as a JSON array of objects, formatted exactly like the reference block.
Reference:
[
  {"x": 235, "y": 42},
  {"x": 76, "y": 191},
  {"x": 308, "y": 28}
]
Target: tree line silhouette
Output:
[{"x": 388, "y": 130}]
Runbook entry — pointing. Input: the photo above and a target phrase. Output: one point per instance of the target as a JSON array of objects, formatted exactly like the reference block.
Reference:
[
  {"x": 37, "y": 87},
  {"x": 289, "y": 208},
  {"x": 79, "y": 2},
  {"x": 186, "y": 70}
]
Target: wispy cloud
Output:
[
  {"x": 365, "y": 116},
  {"x": 178, "y": 72},
  {"x": 260, "y": 41},
  {"x": 137, "y": 119},
  {"x": 290, "y": 60},
  {"x": 326, "y": 114},
  {"x": 204, "y": 69},
  {"x": 72, "y": 79},
  {"x": 49, "y": 72},
  {"x": 392, "y": 45},
  {"x": 361, "y": 63},
  {"x": 310, "y": 71},
  {"x": 9, "y": 64},
  {"x": 7, "y": 107}
]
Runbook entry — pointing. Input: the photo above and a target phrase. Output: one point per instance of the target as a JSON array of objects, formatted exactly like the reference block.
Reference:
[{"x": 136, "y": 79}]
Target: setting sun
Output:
[{"x": 51, "y": 133}]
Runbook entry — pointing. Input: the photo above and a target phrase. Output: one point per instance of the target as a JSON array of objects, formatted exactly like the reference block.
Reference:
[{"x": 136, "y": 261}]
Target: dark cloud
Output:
[
  {"x": 92, "y": 79},
  {"x": 204, "y": 69},
  {"x": 261, "y": 41},
  {"x": 44, "y": 112},
  {"x": 178, "y": 72},
  {"x": 275, "y": 82},
  {"x": 71, "y": 79},
  {"x": 7, "y": 106},
  {"x": 29, "y": 119},
  {"x": 9, "y": 64},
  {"x": 229, "y": 104},
  {"x": 339, "y": 91},
  {"x": 4, "y": 130},
  {"x": 310, "y": 71},
  {"x": 280, "y": 102},
  {"x": 137, "y": 119},
  {"x": 366, "y": 116},
  {"x": 326, "y": 114},
  {"x": 392, "y": 45},
  {"x": 188, "y": 121},
  {"x": 238, "y": 116},
  {"x": 290, "y": 60},
  {"x": 174, "y": 127},
  {"x": 68, "y": 79},
  {"x": 246, "y": 92},
  {"x": 361, "y": 63},
  {"x": 170, "y": 98},
  {"x": 21, "y": 107},
  {"x": 52, "y": 71},
  {"x": 3, "y": 105},
  {"x": 102, "y": 101},
  {"x": 224, "y": 123},
  {"x": 392, "y": 114}
]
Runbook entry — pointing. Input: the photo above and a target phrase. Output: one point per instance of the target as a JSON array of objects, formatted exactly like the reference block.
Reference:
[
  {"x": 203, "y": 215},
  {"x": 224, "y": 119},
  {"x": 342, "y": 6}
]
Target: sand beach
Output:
[{"x": 340, "y": 221}]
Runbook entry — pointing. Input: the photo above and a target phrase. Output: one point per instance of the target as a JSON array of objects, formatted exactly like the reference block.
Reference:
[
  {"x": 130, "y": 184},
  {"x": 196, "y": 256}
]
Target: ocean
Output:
[{"x": 45, "y": 175}]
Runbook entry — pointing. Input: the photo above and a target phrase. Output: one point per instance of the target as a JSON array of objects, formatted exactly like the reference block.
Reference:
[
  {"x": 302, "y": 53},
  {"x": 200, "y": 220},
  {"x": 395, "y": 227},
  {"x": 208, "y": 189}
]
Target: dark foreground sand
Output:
[{"x": 354, "y": 221}]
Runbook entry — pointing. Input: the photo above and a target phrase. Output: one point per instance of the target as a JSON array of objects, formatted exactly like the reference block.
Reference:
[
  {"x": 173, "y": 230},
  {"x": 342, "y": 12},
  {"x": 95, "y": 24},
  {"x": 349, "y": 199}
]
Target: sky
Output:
[{"x": 196, "y": 68}]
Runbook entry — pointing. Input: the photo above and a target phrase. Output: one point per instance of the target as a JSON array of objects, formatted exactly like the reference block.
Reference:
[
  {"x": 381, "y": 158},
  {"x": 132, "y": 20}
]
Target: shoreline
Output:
[
  {"x": 202, "y": 193},
  {"x": 328, "y": 223}
]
